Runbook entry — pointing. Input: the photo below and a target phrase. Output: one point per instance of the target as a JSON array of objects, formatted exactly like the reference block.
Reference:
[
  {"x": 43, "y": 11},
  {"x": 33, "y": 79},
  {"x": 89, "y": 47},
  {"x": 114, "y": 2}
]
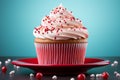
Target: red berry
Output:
[
  {"x": 39, "y": 76},
  {"x": 105, "y": 75},
  {"x": 4, "y": 69},
  {"x": 81, "y": 77}
]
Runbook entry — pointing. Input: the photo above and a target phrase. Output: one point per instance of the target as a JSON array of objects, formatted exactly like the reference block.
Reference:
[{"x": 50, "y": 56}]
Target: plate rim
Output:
[{"x": 25, "y": 64}]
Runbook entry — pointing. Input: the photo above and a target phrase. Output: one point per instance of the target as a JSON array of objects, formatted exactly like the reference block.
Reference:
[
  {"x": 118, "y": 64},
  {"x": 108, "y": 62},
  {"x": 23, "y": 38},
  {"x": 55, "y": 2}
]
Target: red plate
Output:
[{"x": 32, "y": 63}]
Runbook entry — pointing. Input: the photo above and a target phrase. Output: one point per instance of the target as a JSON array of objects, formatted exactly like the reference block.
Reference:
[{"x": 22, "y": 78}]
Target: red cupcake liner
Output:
[{"x": 61, "y": 53}]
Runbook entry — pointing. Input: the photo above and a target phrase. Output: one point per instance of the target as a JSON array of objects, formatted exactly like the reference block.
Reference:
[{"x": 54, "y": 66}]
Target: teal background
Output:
[{"x": 19, "y": 17}]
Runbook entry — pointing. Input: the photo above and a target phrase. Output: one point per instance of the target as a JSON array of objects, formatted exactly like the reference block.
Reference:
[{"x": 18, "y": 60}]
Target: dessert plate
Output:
[{"x": 32, "y": 63}]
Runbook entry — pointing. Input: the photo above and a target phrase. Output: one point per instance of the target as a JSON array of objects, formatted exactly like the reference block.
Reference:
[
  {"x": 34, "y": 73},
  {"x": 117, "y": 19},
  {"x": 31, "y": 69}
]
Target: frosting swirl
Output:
[{"x": 60, "y": 25}]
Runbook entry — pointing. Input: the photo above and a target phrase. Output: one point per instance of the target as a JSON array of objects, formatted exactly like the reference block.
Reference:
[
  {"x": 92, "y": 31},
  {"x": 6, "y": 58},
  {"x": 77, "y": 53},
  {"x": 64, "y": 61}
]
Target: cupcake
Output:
[{"x": 61, "y": 38}]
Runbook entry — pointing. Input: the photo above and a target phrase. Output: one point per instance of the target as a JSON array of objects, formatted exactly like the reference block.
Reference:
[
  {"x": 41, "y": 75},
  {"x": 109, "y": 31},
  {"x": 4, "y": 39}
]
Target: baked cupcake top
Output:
[{"x": 60, "y": 24}]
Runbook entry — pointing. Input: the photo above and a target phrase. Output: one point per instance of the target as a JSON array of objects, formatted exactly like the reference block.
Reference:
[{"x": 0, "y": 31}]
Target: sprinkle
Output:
[
  {"x": 49, "y": 21},
  {"x": 39, "y": 76},
  {"x": 97, "y": 75},
  {"x": 18, "y": 67},
  {"x": 70, "y": 11},
  {"x": 0, "y": 63},
  {"x": 115, "y": 63},
  {"x": 115, "y": 72},
  {"x": 4, "y": 69},
  {"x": 46, "y": 29},
  {"x": 73, "y": 18},
  {"x": 84, "y": 27},
  {"x": 60, "y": 21},
  {"x": 12, "y": 73},
  {"x": 112, "y": 65},
  {"x": 58, "y": 30},
  {"x": 6, "y": 62},
  {"x": 77, "y": 19},
  {"x": 55, "y": 38},
  {"x": 92, "y": 75},
  {"x": 36, "y": 29},
  {"x": 54, "y": 77},
  {"x": 59, "y": 7},
  {"x": 38, "y": 32},
  {"x": 31, "y": 75},
  {"x": 52, "y": 28},
  {"x": 42, "y": 33},
  {"x": 74, "y": 29},
  {"x": 117, "y": 75},
  {"x": 72, "y": 78},
  {"x": 9, "y": 60}
]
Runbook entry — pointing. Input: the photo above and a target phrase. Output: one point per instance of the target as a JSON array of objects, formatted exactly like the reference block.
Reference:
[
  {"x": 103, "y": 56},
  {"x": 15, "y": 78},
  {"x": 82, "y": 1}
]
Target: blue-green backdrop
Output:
[{"x": 19, "y": 17}]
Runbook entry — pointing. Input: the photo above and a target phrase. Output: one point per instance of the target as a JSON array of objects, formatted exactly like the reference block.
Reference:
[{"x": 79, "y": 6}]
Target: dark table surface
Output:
[{"x": 23, "y": 73}]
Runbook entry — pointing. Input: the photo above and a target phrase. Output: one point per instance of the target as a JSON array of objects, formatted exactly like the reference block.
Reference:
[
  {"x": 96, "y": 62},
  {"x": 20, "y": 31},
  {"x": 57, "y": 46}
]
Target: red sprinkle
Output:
[
  {"x": 39, "y": 76},
  {"x": 74, "y": 29},
  {"x": 105, "y": 75},
  {"x": 58, "y": 30},
  {"x": 73, "y": 18},
  {"x": 4, "y": 69},
  {"x": 81, "y": 77},
  {"x": 46, "y": 29},
  {"x": 55, "y": 38},
  {"x": 36, "y": 29},
  {"x": 84, "y": 27},
  {"x": 49, "y": 21},
  {"x": 38, "y": 32},
  {"x": 52, "y": 28}
]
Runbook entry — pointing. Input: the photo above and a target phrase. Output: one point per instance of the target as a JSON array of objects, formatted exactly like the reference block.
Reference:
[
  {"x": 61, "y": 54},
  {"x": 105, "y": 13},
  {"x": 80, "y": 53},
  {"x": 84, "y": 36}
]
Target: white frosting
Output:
[{"x": 60, "y": 25}]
